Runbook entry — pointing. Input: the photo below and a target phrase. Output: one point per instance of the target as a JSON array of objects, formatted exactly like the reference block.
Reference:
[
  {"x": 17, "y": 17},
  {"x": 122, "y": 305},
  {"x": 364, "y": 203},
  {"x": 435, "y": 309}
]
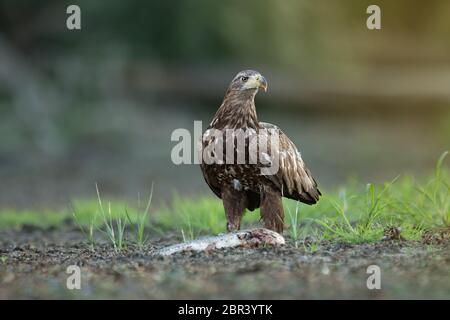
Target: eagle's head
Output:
[{"x": 248, "y": 81}]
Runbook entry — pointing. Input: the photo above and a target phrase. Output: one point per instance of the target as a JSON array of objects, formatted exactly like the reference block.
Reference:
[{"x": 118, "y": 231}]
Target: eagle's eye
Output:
[{"x": 244, "y": 79}]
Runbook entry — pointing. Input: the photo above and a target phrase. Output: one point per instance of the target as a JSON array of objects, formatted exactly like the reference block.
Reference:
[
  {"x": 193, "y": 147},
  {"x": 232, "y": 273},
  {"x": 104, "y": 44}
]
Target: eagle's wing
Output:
[
  {"x": 207, "y": 170},
  {"x": 293, "y": 179},
  {"x": 207, "y": 176}
]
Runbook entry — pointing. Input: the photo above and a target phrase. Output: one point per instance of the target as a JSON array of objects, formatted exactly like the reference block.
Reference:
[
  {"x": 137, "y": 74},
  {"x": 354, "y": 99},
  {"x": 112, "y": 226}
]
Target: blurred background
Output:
[{"x": 99, "y": 104}]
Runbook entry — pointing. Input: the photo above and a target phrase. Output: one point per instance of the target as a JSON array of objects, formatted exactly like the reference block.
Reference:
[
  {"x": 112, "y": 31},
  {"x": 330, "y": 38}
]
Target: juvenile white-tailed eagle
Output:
[{"x": 244, "y": 184}]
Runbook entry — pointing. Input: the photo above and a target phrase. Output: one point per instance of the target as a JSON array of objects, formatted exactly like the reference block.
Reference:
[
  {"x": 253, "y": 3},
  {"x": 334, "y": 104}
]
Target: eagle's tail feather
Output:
[{"x": 308, "y": 197}]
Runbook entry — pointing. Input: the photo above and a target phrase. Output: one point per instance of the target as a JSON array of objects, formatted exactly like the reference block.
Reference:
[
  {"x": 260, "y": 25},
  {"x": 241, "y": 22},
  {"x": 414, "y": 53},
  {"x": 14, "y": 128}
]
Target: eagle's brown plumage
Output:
[{"x": 241, "y": 185}]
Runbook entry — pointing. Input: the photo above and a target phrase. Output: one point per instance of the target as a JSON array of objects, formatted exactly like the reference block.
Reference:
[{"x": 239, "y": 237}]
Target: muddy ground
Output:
[{"x": 34, "y": 260}]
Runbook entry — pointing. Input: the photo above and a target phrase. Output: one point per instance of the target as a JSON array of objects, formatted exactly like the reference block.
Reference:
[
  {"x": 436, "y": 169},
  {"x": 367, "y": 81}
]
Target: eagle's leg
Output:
[
  {"x": 272, "y": 212},
  {"x": 234, "y": 203}
]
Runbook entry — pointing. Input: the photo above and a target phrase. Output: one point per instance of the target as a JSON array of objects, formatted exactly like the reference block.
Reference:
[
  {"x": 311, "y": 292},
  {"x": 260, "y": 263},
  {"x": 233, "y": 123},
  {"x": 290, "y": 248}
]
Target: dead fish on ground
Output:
[{"x": 244, "y": 238}]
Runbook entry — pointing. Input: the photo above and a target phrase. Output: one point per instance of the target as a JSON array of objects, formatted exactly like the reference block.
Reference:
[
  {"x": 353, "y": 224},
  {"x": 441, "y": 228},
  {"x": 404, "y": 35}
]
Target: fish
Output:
[{"x": 251, "y": 238}]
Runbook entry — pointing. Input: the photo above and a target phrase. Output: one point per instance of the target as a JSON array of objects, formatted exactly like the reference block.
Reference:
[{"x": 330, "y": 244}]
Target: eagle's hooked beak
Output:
[{"x": 262, "y": 83}]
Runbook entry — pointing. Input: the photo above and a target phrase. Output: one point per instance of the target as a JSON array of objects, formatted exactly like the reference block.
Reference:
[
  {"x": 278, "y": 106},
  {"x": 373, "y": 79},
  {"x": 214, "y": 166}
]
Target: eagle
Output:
[{"x": 234, "y": 134}]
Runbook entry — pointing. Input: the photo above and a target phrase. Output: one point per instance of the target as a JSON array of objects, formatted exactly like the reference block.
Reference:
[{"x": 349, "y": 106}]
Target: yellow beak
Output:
[{"x": 262, "y": 83}]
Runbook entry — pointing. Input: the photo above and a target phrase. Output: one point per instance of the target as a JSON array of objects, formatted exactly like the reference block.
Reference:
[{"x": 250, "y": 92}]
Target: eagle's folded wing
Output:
[
  {"x": 207, "y": 171},
  {"x": 293, "y": 179}
]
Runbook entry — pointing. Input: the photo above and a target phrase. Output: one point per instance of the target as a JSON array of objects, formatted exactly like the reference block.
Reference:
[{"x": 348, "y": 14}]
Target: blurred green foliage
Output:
[{"x": 285, "y": 33}]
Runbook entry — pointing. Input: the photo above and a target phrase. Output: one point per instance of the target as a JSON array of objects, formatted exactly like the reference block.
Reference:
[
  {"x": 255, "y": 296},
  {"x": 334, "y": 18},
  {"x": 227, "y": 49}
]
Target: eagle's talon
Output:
[{"x": 232, "y": 227}]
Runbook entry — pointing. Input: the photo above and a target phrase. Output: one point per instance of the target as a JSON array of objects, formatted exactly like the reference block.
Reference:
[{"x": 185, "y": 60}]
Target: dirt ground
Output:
[{"x": 34, "y": 261}]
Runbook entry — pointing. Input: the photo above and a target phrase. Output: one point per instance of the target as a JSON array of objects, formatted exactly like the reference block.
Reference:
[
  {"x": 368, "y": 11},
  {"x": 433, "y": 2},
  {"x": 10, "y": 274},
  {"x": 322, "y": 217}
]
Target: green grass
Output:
[
  {"x": 113, "y": 223},
  {"x": 113, "y": 229},
  {"x": 353, "y": 213},
  {"x": 140, "y": 222},
  {"x": 12, "y": 218},
  {"x": 371, "y": 205}
]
